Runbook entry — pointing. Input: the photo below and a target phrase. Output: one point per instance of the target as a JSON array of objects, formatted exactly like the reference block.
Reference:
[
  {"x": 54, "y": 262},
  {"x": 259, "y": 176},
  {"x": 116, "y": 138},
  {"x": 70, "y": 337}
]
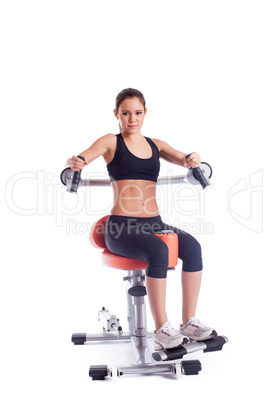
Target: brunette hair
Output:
[{"x": 128, "y": 93}]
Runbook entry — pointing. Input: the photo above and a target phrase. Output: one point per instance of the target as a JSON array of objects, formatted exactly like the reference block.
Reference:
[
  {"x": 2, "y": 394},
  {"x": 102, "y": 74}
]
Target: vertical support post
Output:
[
  {"x": 130, "y": 306},
  {"x": 137, "y": 315}
]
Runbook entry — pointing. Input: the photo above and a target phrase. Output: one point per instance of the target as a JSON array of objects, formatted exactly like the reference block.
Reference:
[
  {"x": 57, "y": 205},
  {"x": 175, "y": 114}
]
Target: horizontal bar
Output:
[
  {"x": 146, "y": 369},
  {"x": 94, "y": 182},
  {"x": 108, "y": 336},
  {"x": 172, "y": 179},
  {"x": 106, "y": 182},
  {"x": 80, "y": 338}
]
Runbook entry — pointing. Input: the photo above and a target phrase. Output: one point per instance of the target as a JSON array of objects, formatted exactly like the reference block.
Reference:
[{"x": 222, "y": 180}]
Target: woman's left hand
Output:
[{"x": 193, "y": 161}]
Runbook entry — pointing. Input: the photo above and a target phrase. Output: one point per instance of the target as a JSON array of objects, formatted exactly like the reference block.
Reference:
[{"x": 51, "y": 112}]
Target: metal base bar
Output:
[
  {"x": 146, "y": 369},
  {"x": 189, "y": 367},
  {"x": 142, "y": 353},
  {"x": 108, "y": 336},
  {"x": 81, "y": 338}
]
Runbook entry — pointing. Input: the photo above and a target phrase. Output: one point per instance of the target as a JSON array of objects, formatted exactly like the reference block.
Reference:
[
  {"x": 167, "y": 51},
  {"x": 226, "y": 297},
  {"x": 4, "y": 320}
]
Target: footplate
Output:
[{"x": 210, "y": 345}]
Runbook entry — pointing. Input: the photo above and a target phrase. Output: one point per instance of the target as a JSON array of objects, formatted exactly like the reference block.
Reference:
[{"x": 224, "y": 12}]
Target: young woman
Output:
[{"x": 133, "y": 165}]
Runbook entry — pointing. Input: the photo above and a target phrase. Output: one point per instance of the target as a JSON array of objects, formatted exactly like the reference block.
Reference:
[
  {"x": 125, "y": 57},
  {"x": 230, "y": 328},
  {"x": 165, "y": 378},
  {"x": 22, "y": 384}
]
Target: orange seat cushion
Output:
[{"x": 117, "y": 261}]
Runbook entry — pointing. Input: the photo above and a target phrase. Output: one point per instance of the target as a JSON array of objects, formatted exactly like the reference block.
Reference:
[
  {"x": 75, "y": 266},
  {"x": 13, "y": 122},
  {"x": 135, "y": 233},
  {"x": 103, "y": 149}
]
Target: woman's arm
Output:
[
  {"x": 100, "y": 147},
  {"x": 172, "y": 155}
]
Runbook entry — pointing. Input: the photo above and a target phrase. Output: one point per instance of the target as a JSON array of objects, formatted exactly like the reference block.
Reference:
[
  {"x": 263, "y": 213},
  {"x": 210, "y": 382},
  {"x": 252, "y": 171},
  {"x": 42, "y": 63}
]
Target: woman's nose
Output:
[{"x": 132, "y": 117}]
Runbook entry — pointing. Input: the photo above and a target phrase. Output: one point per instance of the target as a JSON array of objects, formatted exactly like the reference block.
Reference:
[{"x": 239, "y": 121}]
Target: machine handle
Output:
[
  {"x": 72, "y": 180},
  {"x": 76, "y": 179},
  {"x": 199, "y": 176}
]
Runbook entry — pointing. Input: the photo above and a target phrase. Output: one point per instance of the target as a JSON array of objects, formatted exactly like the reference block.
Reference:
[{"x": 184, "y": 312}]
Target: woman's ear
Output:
[{"x": 116, "y": 115}]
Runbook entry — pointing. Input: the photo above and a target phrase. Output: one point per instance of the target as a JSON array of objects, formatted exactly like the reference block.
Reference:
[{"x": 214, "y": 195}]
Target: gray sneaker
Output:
[
  {"x": 167, "y": 337},
  {"x": 196, "y": 331}
]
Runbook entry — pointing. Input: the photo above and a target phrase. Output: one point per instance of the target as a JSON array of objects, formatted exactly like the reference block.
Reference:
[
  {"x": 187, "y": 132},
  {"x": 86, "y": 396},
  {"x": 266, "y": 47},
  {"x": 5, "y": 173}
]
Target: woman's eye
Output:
[{"x": 126, "y": 113}]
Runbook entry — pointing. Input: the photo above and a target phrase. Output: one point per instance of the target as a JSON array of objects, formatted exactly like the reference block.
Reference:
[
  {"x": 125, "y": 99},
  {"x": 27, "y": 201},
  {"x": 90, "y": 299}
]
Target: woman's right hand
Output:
[{"x": 76, "y": 163}]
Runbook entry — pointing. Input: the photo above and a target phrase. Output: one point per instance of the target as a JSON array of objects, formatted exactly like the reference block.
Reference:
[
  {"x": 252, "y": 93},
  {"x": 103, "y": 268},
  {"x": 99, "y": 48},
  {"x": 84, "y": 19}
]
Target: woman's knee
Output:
[
  {"x": 158, "y": 262},
  {"x": 191, "y": 254},
  {"x": 159, "y": 254}
]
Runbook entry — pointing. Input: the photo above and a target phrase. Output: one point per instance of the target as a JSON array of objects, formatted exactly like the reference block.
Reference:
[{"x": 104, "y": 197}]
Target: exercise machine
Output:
[{"x": 166, "y": 361}]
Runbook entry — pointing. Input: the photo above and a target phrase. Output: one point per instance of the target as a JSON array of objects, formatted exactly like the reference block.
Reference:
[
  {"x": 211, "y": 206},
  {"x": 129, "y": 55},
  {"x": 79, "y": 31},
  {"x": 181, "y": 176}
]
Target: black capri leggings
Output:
[{"x": 135, "y": 238}]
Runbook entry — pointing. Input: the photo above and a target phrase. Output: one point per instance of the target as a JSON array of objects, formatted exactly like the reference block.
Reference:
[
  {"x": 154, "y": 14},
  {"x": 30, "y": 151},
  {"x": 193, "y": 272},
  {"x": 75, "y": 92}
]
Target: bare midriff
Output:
[{"x": 136, "y": 198}]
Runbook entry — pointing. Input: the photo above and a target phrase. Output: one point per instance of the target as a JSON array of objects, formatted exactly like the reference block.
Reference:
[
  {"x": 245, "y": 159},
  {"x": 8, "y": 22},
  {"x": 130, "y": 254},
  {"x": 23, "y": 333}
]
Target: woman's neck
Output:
[{"x": 136, "y": 137}]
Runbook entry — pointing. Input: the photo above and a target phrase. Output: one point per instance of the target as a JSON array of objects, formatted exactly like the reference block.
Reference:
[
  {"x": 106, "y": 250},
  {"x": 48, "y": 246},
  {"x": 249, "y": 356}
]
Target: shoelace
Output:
[
  {"x": 169, "y": 330},
  {"x": 197, "y": 322}
]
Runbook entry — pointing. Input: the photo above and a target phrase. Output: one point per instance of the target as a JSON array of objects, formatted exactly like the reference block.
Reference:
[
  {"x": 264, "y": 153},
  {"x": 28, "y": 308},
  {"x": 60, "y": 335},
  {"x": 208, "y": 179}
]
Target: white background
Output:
[{"x": 202, "y": 67}]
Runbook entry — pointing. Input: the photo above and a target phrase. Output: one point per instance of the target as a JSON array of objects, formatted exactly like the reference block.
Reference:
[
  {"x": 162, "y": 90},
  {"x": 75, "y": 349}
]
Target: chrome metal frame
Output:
[{"x": 137, "y": 326}]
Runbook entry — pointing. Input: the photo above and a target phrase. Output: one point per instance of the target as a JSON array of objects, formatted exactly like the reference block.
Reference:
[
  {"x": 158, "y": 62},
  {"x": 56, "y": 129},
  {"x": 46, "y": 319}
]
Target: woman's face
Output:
[{"x": 131, "y": 115}]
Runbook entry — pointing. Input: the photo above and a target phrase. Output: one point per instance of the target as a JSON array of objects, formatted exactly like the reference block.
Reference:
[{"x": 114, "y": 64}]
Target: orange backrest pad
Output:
[{"x": 97, "y": 233}]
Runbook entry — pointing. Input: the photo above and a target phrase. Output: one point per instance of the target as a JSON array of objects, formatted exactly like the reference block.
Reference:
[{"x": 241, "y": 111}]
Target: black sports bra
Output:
[{"x": 126, "y": 166}]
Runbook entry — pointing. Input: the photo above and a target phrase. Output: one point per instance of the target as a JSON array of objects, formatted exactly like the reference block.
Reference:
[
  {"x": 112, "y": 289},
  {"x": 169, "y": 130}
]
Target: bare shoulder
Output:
[
  {"x": 107, "y": 141},
  {"x": 159, "y": 143},
  {"x": 170, "y": 154},
  {"x": 107, "y": 137}
]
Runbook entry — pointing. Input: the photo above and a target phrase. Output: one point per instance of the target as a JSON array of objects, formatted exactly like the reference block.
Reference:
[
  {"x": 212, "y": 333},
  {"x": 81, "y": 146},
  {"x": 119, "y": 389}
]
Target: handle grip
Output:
[
  {"x": 199, "y": 176},
  {"x": 76, "y": 179}
]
